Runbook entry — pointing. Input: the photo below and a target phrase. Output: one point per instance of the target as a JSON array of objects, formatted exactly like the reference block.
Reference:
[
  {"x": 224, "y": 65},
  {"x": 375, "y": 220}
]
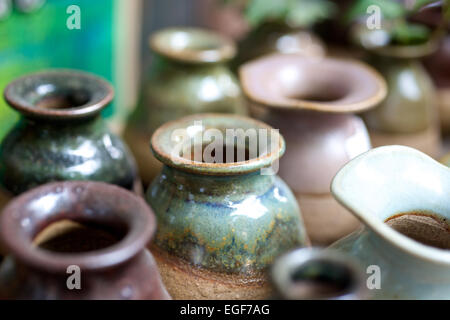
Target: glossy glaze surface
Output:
[
  {"x": 378, "y": 185},
  {"x": 234, "y": 224},
  {"x": 61, "y": 135},
  {"x": 123, "y": 270}
]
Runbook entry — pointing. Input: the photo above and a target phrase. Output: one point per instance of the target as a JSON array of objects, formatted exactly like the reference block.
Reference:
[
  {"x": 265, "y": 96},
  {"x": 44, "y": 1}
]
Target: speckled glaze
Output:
[
  {"x": 382, "y": 183},
  {"x": 409, "y": 114},
  {"x": 123, "y": 270},
  {"x": 321, "y": 136},
  {"x": 276, "y": 37},
  {"x": 189, "y": 74},
  {"x": 222, "y": 224},
  {"x": 53, "y": 141}
]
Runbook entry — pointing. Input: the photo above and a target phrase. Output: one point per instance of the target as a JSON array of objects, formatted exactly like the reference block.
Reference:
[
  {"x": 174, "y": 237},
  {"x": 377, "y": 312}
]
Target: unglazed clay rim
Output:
[
  {"x": 299, "y": 104},
  {"x": 225, "y": 50},
  {"x": 88, "y": 109},
  {"x": 282, "y": 267},
  {"x": 402, "y": 242},
  {"x": 233, "y": 168},
  {"x": 139, "y": 233}
]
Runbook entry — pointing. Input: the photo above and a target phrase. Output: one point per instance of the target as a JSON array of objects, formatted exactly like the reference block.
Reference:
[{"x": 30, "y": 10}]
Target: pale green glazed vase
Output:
[{"x": 378, "y": 185}]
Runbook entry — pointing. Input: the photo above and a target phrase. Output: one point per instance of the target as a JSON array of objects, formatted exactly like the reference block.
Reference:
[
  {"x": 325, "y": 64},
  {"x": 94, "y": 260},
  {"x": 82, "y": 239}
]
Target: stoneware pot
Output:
[
  {"x": 312, "y": 273},
  {"x": 61, "y": 135},
  {"x": 276, "y": 37},
  {"x": 401, "y": 196},
  {"x": 188, "y": 75},
  {"x": 311, "y": 101},
  {"x": 78, "y": 240},
  {"x": 409, "y": 114},
  {"x": 220, "y": 225}
]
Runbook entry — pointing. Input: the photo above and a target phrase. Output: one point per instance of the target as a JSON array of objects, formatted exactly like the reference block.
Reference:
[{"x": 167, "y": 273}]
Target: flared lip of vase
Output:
[
  {"x": 162, "y": 144},
  {"x": 30, "y": 213},
  {"x": 273, "y": 81},
  {"x": 192, "y": 45},
  {"x": 407, "y": 162},
  {"x": 24, "y": 93}
]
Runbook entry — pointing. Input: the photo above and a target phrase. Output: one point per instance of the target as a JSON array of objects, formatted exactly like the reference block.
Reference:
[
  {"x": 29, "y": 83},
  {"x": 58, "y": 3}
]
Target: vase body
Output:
[
  {"x": 399, "y": 194},
  {"x": 174, "y": 88},
  {"x": 310, "y": 164},
  {"x": 112, "y": 260},
  {"x": 219, "y": 233},
  {"x": 277, "y": 38},
  {"x": 409, "y": 114},
  {"x": 312, "y": 106},
  {"x": 43, "y": 147}
]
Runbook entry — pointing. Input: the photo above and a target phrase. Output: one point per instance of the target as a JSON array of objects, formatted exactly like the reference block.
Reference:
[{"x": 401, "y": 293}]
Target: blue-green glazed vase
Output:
[
  {"x": 61, "y": 135},
  {"x": 220, "y": 225}
]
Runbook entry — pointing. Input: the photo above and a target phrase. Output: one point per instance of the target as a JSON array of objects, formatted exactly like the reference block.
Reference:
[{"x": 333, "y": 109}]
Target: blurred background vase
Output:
[
  {"x": 93, "y": 236},
  {"x": 189, "y": 75},
  {"x": 312, "y": 102},
  {"x": 221, "y": 225},
  {"x": 409, "y": 115},
  {"x": 61, "y": 135}
]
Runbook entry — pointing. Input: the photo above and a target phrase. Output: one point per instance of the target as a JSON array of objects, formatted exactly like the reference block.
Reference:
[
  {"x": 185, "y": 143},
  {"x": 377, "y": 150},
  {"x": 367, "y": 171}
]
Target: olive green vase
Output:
[
  {"x": 220, "y": 225},
  {"x": 409, "y": 114},
  {"x": 189, "y": 74},
  {"x": 61, "y": 135}
]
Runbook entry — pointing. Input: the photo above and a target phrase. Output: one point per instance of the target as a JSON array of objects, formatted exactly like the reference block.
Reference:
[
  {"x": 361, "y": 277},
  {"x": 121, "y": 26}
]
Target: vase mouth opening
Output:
[
  {"x": 294, "y": 82},
  {"x": 59, "y": 94},
  {"x": 91, "y": 225},
  {"x": 311, "y": 273},
  {"x": 192, "y": 45},
  {"x": 218, "y": 144}
]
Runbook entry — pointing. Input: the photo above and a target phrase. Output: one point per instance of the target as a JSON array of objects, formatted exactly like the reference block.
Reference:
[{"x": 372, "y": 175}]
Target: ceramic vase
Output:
[
  {"x": 220, "y": 224},
  {"x": 312, "y": 101},
  {"x": 277, "y": 37},
  {"x": 401, "y": 196},
  {"x": 61, "y": 135},
  {"x": 318, "y": 274},
  {"x": 409, "y": 114},
  {"x": 189, "y": 74},
  {"x": 78, "y": 240}
]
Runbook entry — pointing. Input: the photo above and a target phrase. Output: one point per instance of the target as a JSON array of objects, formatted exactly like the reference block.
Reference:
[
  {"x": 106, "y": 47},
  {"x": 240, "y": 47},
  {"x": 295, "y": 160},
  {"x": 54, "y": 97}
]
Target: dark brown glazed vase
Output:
[{"x": 63, "y": 224}]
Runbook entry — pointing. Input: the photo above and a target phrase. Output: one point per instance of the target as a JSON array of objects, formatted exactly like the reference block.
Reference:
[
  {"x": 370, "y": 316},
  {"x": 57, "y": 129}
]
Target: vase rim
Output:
[
  {"x": 162, "y": 144},
  {"x": 403, "y": 161},
  {"x": 406, "y": 51},
  {"x": 84, "y": 93},
  {"x": 192, "y": 45},
  {"x": 290, "y": 263},
  {"x": 356, "y": 86},
  {"x": 31, "y": 212}
]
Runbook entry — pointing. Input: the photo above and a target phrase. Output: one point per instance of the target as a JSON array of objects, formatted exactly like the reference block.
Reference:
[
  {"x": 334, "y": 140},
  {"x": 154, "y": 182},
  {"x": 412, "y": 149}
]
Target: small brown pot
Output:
[
  {"x": 98, "y": 229},
  {"x": 311, "y": 102}
]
